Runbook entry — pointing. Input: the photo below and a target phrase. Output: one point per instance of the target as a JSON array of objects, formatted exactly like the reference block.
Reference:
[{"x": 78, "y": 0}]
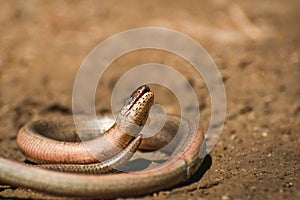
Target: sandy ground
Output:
[{"x": 255, "y": 44}]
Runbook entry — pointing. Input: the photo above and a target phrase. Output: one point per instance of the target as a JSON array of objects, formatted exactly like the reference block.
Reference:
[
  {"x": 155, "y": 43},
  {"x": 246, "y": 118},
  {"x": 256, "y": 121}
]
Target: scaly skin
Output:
[
  {"x": 38, "y": 148},
  {"x": 179, "y": 168}
]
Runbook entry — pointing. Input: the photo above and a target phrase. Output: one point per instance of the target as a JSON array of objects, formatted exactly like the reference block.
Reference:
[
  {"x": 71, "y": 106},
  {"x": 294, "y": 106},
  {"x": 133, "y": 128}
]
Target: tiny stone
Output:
[
  {"x": 225, "y": 197},
  {"x": 232, "y": 137},
  {"x": 269, "y": 155},
  {"x": 281, "y": 190},
  {"x": 264, "y": 134},
  {"x": 254, "y": 149},
  {"x": 253, "y": 188}
]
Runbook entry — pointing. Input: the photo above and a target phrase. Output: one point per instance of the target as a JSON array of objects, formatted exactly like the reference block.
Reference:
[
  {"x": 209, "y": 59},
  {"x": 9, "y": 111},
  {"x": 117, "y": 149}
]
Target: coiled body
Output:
[{"x": 179, "y": 139}]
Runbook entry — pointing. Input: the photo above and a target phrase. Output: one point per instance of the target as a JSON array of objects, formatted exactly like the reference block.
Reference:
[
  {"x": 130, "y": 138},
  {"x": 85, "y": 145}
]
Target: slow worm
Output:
[{"x": 120, "y": 142}]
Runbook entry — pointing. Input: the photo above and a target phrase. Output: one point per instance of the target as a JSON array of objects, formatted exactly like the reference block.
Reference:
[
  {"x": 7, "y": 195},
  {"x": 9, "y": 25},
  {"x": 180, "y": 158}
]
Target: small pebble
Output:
[
  {"x": 264, "y": 134},
  {"x": 269, "y": 155},
  {"x": 225, "y": 197},
  {"x": 254, "y": 149},
  {"x": 253, "y": 188},
  {"x": 232, "y": 137},
  {"x": 281, "y": 190}
]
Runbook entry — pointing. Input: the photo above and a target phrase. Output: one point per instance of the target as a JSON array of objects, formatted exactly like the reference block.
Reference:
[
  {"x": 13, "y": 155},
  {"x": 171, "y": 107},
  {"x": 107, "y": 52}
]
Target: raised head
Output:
[{"x": 134, "y": 113}]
